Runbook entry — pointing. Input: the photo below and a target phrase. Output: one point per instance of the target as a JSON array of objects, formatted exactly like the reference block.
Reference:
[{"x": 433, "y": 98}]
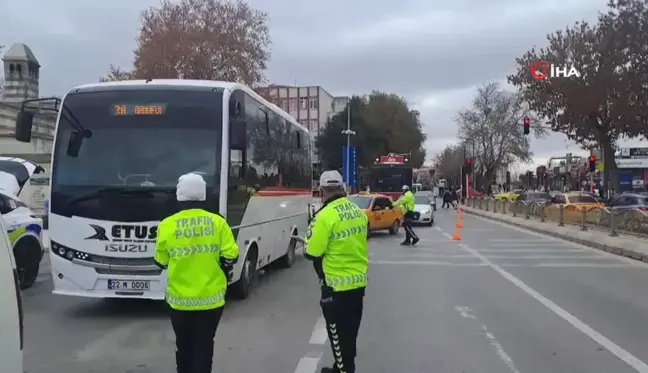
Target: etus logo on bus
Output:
[{"x": 543, "y": 71}]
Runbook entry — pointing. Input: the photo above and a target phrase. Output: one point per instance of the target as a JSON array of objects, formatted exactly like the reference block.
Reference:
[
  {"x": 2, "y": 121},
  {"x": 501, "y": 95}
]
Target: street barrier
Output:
[{"x": 632, "y": 222}]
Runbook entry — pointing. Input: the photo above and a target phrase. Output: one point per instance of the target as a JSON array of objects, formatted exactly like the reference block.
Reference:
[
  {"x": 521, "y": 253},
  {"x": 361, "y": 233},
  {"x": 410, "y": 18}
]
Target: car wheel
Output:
[
  {"x": 28, "y": 255},
  {"x": 431, "y": 223},
  {"x": 288, "y": 259},
  {"x": 241, "y": 288},
  {"x": 393, "y": 230}
]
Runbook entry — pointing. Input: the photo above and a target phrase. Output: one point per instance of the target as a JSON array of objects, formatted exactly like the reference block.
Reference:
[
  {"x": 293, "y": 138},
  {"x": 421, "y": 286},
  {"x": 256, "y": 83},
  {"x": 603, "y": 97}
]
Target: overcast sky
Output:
[{"x": 435, "y": 53}]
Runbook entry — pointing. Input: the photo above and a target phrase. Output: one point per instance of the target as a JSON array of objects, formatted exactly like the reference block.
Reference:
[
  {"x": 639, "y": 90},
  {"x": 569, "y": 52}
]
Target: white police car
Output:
[{"x": 25, "y": 230}]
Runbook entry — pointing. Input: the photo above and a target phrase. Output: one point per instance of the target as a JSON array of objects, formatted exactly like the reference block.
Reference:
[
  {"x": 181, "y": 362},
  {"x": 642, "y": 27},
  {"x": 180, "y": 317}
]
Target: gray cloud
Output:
[{"x": 433, "y": 53}]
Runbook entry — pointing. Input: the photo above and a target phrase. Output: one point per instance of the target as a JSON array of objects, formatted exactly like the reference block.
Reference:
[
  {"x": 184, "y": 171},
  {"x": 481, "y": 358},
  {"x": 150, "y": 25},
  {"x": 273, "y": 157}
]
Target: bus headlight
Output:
[{"x": 68, "y": 253}]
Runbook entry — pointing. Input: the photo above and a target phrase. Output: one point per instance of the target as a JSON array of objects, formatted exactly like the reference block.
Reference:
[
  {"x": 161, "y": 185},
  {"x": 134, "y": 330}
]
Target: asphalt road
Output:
[{"x": 501, "y": 300}]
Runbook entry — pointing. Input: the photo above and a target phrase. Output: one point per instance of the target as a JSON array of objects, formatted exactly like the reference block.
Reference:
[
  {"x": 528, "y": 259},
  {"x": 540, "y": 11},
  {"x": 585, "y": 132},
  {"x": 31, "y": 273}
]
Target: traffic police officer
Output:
[
  {"x": 336, "y": 242},
  {"x": 407, "y": 203},
  {"x": 198, "y": 250}
]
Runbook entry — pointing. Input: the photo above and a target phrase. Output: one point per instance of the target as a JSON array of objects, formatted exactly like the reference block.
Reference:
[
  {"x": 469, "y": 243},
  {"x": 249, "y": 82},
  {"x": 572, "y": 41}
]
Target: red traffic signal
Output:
[
  {"x": 468, "y": 167},
  {"x": 592, "y": 163},
  {"x": 527, "y": 126}
]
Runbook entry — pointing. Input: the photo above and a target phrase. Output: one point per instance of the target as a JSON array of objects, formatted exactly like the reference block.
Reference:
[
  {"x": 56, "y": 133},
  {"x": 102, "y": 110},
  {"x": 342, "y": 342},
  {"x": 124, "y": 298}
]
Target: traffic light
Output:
[
  {"x": 527, "y": 126},
  {"x": 592, "y": 163},
  {"x": 468, "y": 166}
]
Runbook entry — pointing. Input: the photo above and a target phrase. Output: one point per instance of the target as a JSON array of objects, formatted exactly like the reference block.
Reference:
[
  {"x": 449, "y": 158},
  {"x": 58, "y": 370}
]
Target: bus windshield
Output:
[
  {"x": 390, "y": 179},
  {"x": 132, "y": 144},
  {"x": 141, "y": 139}
]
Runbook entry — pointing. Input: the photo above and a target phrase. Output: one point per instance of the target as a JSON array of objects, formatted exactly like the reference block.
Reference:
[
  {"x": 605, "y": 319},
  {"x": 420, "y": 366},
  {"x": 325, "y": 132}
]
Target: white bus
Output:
[{"x": 118, "y": 151}]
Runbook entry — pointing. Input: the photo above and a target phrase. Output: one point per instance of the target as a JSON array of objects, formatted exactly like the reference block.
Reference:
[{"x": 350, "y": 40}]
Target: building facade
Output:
[
  {"x": 312, "y": 106},
  {"x": 22, "y": 75}
]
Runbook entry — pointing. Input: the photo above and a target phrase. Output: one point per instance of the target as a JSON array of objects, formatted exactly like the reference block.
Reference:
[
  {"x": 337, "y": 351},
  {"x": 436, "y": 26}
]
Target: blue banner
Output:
[{"x": 350, "y": 176}]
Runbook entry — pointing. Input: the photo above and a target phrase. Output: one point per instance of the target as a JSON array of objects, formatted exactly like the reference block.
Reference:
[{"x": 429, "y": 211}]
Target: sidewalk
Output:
[{"x": 625, "y": 245}]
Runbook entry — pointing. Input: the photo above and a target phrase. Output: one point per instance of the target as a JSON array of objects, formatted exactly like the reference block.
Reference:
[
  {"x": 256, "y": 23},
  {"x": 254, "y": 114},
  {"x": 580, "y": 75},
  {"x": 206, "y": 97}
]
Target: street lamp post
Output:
[{"x": 348, "y": 132}]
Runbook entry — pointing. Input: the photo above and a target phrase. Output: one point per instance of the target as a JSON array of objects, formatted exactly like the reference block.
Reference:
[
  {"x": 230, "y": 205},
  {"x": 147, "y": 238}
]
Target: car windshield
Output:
[
  {"x": 582, "y": 199},
  {"x": 422, "y": 200},
  {"x": 362, "y": 202},
  {"x": 539, "y": 196}
]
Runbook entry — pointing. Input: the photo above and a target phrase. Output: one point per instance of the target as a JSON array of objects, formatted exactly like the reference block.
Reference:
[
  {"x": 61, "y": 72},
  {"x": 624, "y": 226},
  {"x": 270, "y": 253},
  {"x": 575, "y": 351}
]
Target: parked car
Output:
[
  {"x": 629, "y": 201},
  {"x": 537, "y": 197},
  {"x": 380, "y": 211},
  {"x": 11, "y": 312},
  {"x": 509, "y": 196},
  {"x": 25, "y": 230}
]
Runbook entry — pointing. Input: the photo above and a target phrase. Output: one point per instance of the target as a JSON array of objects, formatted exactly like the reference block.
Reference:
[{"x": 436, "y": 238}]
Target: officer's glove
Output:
[{"x": 227, "y": 265}]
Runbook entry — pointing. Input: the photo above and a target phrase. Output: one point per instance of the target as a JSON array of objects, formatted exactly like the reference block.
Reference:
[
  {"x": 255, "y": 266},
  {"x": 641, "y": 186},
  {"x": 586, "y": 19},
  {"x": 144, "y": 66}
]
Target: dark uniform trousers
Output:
[
  {"x": 195, "y": 332},
  {"x": 343, "y": 314},
  {"x": 407, "y": 225}
]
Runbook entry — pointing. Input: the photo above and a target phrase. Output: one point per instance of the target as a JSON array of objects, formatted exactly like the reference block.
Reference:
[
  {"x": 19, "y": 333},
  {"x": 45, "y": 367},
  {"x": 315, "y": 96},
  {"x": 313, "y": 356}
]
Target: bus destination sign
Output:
[{"x": 138, "y": 109}]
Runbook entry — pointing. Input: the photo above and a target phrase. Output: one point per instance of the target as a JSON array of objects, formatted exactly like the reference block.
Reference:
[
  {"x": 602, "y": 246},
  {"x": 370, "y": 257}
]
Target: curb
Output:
[{"x": 614, "y": 249}]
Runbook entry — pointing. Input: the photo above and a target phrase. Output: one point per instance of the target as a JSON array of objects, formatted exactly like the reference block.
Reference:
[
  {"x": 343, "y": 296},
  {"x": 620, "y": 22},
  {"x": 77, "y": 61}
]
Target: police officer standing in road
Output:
[
  {"x": 336, "y": 242},
  {"x": 198, "y": 250},
  {"x": 407, "y": 202}
]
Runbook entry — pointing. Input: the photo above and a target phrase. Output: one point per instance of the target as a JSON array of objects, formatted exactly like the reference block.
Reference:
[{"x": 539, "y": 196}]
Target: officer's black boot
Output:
[{"x": 415, "y": 240}]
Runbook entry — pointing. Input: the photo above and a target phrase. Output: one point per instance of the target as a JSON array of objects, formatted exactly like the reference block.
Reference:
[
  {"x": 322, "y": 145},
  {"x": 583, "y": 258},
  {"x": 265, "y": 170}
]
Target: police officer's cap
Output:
[
  {"x": 331, "y": 179},
  {"x": 405, "y": 187},
  {"x": 191, "y": 187}
]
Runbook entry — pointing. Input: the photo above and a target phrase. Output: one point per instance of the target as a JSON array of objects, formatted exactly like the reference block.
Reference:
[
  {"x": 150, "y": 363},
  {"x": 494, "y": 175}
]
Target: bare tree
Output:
[
  {"x": 448, "y": 163},
  {"x": 2, "y": 81},
  {"x": 116, "y": 74},
  {"x": 607, "y": 101},
  {"x": 203, "y": 39},
  {"x": 492, "y": 130}
]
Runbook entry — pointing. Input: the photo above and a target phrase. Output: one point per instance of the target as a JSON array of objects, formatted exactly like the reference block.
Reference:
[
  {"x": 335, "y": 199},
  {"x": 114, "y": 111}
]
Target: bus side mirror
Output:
[
  {"x": 74, "y": 144},
  {"x": 238, "y": 135},
  {"x": 24, "y": 122}
]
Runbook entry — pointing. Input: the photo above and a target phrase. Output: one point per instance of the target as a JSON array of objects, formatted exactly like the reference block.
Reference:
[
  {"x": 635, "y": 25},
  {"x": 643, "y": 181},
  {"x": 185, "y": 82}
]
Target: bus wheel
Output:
[
  {"x": 28, "y": 255},
  {"x": 241, "y": 288},
  {"x": 393, "y": 230},
  {"x": 288, "y": 260}
]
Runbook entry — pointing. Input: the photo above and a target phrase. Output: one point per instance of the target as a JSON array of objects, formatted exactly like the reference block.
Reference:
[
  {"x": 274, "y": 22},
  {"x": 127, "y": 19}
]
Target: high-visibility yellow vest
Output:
[
  {"x": 190, "y": 244},
  {"x": 338, "y": 235}
]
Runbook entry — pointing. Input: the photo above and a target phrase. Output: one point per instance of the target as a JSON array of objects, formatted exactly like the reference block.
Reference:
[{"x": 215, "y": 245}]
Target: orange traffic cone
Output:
[{"x": 457, "y": 234}]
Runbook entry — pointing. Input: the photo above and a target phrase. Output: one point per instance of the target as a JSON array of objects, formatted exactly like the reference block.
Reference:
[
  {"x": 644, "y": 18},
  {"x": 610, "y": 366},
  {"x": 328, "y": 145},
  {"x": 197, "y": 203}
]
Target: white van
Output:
[{"x": 11, "y": 312}]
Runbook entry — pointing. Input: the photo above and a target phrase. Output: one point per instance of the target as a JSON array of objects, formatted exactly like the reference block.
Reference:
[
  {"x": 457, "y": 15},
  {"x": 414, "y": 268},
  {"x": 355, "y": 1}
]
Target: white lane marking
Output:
[
  {"x": 438, "y": 228},
  {"x": 467, "y": 313},
  {"x": 522, "y": 240},
  {"x": 426, "y": 263},
  {"x": 630, "y": 261},
  {"x": 108, "y": 345},
  {"x": 527, "y": 244},
  {"x": 446, "y": 235},
  {"x": 532, "y": 251},
  {"x": 307, "y": 364},
  {"x": 585, "y": 265},
  {"x": 319, "y": 335},
  {"x": 463, "y": 256},
  {"x": 599, "y": 338}
]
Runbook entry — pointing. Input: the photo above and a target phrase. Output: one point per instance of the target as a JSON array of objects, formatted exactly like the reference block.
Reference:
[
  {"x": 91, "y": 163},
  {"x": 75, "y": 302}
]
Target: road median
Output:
[{"x": 624, "y": 245}]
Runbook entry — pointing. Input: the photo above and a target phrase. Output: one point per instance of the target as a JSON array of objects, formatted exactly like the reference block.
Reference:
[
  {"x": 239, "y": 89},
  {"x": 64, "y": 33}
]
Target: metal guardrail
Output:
[{"x": 631, "y": 222}]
